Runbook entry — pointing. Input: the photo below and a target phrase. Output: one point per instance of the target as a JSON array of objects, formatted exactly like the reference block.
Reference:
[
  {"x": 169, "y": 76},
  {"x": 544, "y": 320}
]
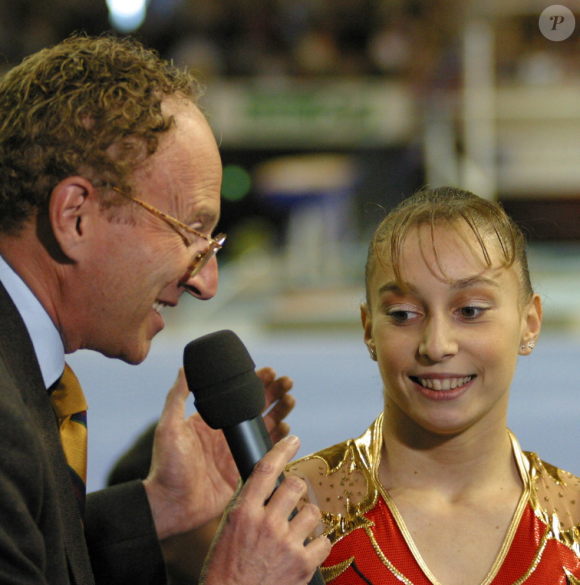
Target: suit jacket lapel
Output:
[{"x": 18, "y": 352}]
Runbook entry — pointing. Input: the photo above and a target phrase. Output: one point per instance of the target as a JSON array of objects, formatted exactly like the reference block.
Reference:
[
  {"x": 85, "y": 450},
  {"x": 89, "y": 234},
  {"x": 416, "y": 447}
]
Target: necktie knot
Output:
[{"x": 68, "y": 397}]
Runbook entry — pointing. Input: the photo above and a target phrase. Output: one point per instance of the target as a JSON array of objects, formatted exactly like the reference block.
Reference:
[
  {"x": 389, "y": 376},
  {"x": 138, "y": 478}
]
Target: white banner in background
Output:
[{"x": 310, "y": 114}]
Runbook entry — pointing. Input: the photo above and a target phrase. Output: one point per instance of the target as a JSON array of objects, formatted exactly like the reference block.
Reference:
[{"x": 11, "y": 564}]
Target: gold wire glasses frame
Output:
[{"x": 201, "y": 258}]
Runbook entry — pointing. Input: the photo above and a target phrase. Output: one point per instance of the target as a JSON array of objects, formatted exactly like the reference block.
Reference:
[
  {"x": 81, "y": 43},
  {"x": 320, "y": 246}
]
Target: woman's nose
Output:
[{"x": 438, "y": 340}]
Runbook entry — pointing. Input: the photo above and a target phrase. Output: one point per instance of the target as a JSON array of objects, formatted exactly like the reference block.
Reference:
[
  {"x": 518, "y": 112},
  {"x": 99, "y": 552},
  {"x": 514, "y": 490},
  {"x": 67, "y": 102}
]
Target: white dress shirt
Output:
[{"x": 43, "y": 332}]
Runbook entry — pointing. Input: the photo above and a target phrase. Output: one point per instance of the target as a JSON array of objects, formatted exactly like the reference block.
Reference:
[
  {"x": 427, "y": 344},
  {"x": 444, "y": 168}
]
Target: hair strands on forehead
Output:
[{"x": 448, "y": 206}]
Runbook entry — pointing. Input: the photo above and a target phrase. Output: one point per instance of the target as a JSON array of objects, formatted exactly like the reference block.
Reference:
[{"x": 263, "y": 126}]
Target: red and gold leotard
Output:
[{"x": 372, "y": 546}]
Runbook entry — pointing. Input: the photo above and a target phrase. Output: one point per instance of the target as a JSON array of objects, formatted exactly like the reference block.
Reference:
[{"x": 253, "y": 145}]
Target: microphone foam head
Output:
[{"x": 221, "y": 374}]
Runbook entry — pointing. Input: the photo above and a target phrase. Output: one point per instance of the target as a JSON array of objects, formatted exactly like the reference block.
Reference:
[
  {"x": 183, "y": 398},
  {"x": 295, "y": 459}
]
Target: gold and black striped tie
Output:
[{"x": 70, "y": 407}]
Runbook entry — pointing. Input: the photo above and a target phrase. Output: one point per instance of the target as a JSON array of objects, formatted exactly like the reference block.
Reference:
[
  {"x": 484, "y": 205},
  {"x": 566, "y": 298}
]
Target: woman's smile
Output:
[{"x": 442, "y": 386}]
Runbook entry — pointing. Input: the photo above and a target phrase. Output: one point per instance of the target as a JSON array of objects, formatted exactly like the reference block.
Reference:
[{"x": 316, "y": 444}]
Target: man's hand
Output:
[
  {"x": 279, "y": 403},
  {"x": 256, "y": 542},
  {"x": 193, "y": 475}
]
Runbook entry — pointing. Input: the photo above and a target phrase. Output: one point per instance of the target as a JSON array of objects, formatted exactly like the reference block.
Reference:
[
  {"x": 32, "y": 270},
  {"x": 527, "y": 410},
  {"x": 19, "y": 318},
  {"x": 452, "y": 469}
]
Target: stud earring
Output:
[
  {"x": 531, "y": 344},
  {"x": 373, "y": 353}
]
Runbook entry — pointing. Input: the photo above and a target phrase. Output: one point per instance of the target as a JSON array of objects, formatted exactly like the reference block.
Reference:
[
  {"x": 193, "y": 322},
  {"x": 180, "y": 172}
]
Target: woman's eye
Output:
[
  {"x": 471, "y": 312},
  {"x": 400, "y": 316}
]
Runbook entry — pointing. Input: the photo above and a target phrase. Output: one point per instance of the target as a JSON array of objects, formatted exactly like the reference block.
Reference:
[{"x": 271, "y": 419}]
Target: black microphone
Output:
[{"x": 229, "y": 395}]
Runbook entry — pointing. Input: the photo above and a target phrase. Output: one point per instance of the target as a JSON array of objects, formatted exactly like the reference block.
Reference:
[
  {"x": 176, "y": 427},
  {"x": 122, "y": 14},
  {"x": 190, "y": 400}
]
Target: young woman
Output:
[{"x": 438, "y": 491}]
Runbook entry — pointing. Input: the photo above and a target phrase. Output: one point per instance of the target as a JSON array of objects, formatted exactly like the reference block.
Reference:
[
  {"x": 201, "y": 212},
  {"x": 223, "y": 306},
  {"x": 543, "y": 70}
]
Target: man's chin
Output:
[
  {"x": 137, "y": 351},
  {"x": 130, "y": 355}
]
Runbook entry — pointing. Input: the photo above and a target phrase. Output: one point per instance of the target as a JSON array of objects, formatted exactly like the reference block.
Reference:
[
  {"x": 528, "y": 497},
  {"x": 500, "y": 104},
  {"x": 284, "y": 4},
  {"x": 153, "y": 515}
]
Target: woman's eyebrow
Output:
[
  {"x": 472, "y": 281},
  {"x": 397, "y": 288},
  {"x": 460, "y": 284}
]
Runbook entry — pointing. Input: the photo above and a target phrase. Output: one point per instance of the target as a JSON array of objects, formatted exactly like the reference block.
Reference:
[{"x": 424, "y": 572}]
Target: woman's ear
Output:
[
  {"x": 532, "y": 324},
  {"x": 73, "y": 203},
  {"x": 367, "y": 322}
]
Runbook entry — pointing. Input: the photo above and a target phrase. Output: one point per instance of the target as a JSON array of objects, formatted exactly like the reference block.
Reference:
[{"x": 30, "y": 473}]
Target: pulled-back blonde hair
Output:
[
  {"x": 63, "y": 108},
  {"x": 448, "y": 206}
]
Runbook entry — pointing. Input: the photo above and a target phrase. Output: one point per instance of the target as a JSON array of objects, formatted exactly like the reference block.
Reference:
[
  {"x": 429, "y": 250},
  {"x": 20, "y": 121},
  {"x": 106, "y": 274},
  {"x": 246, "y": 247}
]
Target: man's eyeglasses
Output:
[{"x": 201, "y": 258}]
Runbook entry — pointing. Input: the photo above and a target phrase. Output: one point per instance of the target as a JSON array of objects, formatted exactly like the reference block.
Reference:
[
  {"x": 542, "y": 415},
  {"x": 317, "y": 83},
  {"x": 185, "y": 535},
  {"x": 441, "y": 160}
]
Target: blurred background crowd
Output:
[
  {"x": 416, "y": 41},
  {"x": 328, "y": 113}
]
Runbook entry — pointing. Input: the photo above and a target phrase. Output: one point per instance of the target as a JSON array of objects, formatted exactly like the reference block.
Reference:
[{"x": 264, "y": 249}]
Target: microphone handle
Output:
[{"x": 249, "y": 441}]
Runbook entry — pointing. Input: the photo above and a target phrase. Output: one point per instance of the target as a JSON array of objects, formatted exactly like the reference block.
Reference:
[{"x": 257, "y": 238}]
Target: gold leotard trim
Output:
[{"x": 330, "y": 573}]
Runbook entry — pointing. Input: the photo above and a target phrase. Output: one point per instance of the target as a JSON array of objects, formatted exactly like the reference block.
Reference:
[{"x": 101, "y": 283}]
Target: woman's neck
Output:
[{"x": 455, "y": 466}]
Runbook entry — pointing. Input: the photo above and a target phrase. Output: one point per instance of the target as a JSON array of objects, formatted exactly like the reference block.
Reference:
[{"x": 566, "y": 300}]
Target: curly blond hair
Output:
[
  {"x": 63, "y": 108},
  {"x": 449, "y": 207}
]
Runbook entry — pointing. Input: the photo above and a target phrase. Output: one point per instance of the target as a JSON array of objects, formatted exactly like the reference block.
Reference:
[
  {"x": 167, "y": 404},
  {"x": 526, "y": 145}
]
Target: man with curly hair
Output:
[{"x": 109, "y": 193}]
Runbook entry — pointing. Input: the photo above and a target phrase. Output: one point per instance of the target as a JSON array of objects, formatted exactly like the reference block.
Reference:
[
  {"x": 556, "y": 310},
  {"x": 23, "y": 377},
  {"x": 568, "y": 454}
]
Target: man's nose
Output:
[{"x": 204, "y": 285}]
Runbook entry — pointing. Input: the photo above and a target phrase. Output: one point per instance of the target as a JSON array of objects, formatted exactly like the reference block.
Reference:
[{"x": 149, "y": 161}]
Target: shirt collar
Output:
[{"x": 45, "y": 337}]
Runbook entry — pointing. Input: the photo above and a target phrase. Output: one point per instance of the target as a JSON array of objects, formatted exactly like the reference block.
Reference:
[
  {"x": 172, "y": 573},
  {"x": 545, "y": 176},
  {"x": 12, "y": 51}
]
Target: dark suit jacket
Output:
[{"x": 41, "y": 534}]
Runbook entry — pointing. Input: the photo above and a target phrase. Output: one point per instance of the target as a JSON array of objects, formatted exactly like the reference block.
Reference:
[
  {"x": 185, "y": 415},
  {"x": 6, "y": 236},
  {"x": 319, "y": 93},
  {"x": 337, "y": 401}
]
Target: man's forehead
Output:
[
  {"x": 187, "y": 153},
  {"x": 174, "y": 104}
]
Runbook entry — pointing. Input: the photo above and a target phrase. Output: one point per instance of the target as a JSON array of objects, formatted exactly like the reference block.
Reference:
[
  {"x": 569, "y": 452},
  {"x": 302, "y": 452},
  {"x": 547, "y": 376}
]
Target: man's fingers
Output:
[
  {"x": 318, "y": 549},
  {"x": 286, "y": 498},
  {"x": 258, "y": 520},
  {"x": 305, "y": 523},
  {"x": 175, "y": 400},
  {"x": 267, "y": 375},
  {"x": 279, "y": 432},
  {"x": 262, "y": 481},
  {"x": 282, "y": 504},
  {"x": 275, "y": 388},
  {"x": 279, "y": 412}
]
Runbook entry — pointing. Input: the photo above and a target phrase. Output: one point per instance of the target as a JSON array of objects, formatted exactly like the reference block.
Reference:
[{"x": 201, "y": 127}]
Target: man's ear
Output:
[{"x": 73, "y": 205}]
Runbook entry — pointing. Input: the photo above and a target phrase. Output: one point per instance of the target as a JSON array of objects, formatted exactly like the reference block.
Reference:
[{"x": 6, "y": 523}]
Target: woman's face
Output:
[{"x": 447, "y": 342}]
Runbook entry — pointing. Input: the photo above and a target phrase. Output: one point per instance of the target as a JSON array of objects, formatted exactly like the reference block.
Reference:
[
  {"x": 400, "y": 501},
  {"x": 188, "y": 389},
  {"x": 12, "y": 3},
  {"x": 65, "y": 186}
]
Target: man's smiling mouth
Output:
[
  {"x": 159, "y": 307},
  {"x": 442, "y": 384}
]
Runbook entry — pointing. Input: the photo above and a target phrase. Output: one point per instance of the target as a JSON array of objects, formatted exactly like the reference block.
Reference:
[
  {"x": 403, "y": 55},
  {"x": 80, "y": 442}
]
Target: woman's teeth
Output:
[
  {"x": 445, "y": 383},
  {"x": 158, "y": 307}
]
